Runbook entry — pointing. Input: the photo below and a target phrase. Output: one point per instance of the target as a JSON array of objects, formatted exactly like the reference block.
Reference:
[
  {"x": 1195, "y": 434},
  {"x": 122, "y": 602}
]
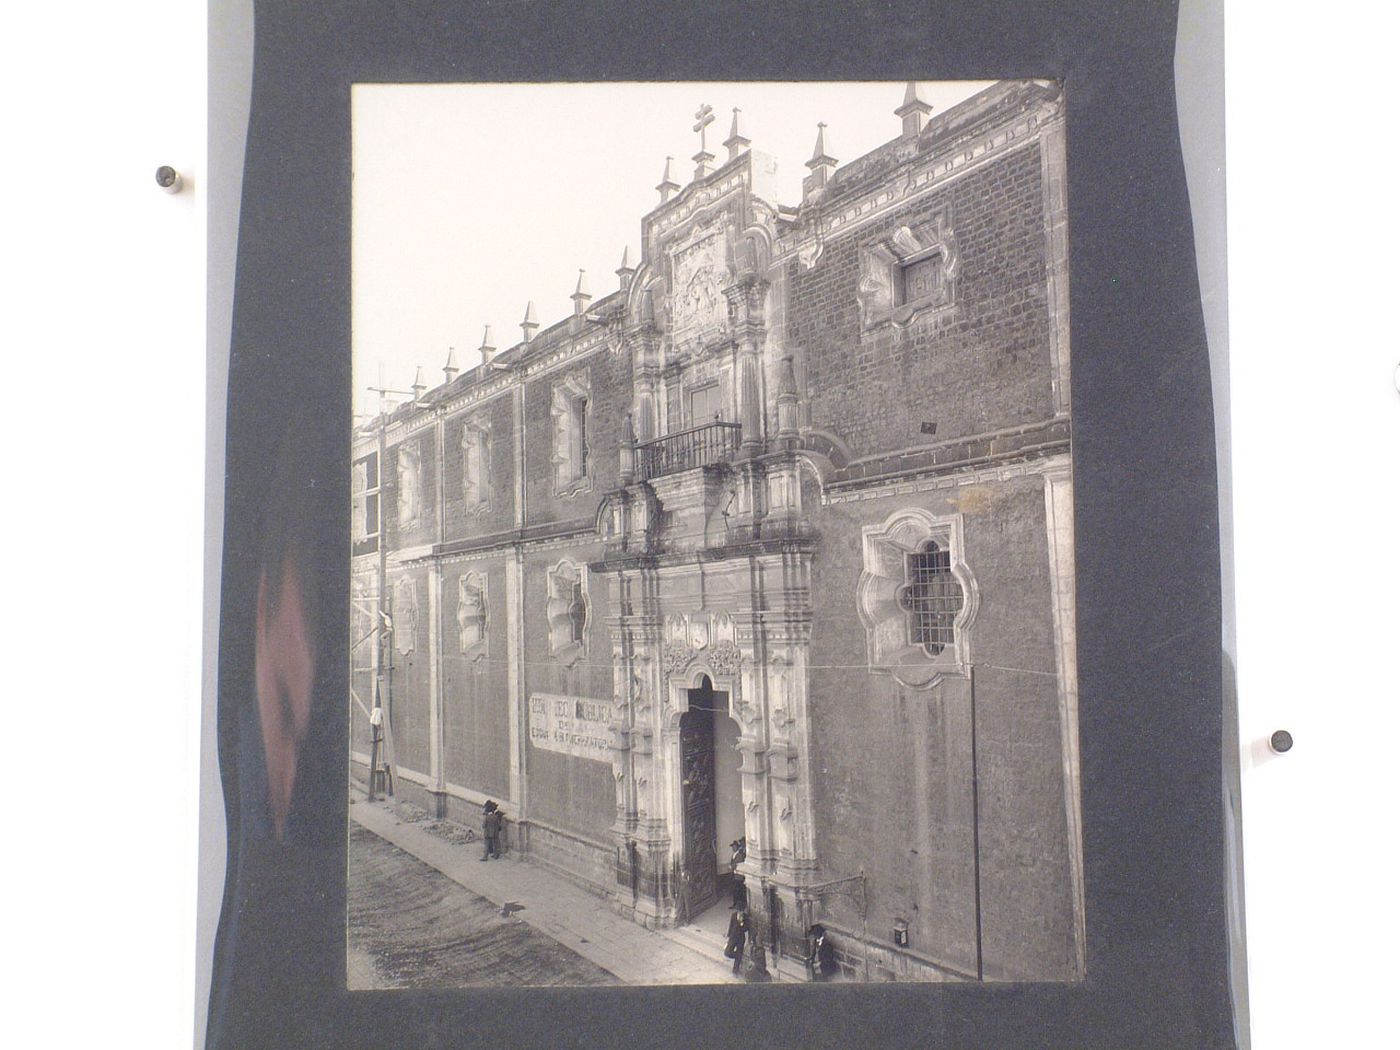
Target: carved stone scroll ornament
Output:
[
  {"x": 676, "y": 657},
  {"x": 724, "y": 659}
]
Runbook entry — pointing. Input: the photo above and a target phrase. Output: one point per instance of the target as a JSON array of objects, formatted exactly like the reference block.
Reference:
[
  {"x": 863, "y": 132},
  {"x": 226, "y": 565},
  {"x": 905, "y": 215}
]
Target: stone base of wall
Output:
[
  {"x": 868, "y": 961},
  {"x": 588, "y": 865}
]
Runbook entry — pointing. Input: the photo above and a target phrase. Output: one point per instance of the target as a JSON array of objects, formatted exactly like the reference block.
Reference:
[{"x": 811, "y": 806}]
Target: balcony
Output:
[{"x": 686, "y": 449}]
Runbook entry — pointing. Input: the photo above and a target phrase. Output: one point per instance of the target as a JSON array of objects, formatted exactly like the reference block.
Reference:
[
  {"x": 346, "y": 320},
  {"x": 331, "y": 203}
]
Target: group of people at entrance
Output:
[{"x": 821, "y": 953}]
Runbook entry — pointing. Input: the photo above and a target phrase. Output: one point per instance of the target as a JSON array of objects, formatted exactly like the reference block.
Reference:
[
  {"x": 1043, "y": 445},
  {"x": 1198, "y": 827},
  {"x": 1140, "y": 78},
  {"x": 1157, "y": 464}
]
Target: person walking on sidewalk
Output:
[
  {"x": 490, "y": 831},
  {"x": 738, "y": 936}
]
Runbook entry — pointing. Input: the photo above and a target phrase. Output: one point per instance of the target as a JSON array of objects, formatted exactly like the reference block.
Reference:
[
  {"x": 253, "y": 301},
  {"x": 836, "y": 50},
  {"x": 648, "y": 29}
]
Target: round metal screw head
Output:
[
  {"x": 1281, "y": 741},
  {"x": 168, "y": 179}
]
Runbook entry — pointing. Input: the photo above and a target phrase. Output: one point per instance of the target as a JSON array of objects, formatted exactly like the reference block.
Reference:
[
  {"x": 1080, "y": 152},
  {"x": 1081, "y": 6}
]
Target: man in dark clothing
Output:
[
  {"x": 757, "y": 972},
  {"x": 739, "y": 896},
  {"x": 821, "y": 956},
  {"x": 738, "y": 935},
  {"x": 490, "y": 831}
]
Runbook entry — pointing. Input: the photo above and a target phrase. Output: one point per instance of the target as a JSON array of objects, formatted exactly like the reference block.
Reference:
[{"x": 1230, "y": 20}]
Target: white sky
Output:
[{"x": 471, "y": 199}]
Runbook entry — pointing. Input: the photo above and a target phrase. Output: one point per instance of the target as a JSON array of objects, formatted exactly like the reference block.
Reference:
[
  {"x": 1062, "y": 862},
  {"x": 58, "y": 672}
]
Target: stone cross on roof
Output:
[{"x": 704, "y": 117}]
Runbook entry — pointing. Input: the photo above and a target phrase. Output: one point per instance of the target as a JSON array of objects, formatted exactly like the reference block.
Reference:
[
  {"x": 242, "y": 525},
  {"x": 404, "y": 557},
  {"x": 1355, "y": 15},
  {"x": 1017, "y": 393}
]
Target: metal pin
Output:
[
  {"x": 1281, "y": 741},
  {"x": 168, "y": 179}
]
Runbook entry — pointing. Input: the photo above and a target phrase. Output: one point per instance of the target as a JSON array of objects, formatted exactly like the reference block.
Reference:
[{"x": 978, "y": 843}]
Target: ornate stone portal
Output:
[
  {"x": 750, "y": 641},
  {"x": 708, "y": 567}
]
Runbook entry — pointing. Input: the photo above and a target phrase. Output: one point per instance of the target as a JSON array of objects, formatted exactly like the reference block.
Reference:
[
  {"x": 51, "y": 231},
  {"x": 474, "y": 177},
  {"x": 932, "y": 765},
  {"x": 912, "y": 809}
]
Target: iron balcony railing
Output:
[{"x": 697, "y": 447}]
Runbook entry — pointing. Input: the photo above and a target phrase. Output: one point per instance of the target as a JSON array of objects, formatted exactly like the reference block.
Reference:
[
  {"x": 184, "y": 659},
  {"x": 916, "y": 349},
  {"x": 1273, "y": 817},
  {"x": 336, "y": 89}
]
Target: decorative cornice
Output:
[
  {"x": 907, "y": 182},
  {"x": 883, "y": 489}
]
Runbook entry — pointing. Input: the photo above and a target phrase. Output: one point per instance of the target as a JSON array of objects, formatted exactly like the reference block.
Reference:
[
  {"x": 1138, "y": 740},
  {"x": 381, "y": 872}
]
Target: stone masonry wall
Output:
[
  {"x": 892, "y": 765},
  {"x": 981, "y": 366}
]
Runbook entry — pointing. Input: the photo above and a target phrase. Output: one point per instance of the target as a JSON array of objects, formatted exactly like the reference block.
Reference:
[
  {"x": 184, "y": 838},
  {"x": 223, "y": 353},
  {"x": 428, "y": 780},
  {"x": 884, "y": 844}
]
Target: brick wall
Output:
[
  {"x": 410, "y": 678},
  {"x": 574, "y": 793},
  {"x": 461, "y": 522},
  {"x": 983, "y": 365},
  {"x": 423, "y": 529},
  {"x": 610, "y": 399},
  {"x": 892, "y": 765},
  {"x": 476, "y": 706}
]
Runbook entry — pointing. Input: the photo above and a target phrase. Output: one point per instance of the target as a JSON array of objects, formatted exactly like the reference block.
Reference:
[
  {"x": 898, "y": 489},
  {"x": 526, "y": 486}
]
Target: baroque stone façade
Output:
[{"x": 809, "y": 467}]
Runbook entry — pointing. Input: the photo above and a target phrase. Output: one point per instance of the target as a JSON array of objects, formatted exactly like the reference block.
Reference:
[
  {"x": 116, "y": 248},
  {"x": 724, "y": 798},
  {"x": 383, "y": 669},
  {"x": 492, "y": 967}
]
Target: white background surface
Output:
[{"x": 104, "y": 330}]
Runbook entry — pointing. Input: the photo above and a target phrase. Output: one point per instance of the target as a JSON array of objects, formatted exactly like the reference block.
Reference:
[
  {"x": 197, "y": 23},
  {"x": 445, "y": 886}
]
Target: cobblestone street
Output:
[
  {"x": 413, "y": 927},
  {"x": 425, "y": 912}
]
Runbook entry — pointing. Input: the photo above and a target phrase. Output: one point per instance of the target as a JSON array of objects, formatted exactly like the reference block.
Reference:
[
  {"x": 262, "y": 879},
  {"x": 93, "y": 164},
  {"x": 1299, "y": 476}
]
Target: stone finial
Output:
[
  {"x": 488, "y": 346},
  {"x": 821, "y": 166},
  {"x": 419, "y": 387},
  {"x": 736, "y": 143},
  {"x": 667, "y": 185},
  {"x": 627, "y": 453},
  {"x": 582, "y": 296},
  {"x": 704, "y": 117},
  {"x": 627, "y": 270},
  {"x": 450, "y": 370},
  {"x": 912, "y": 111},
  {"x": 531, "y": 324}
]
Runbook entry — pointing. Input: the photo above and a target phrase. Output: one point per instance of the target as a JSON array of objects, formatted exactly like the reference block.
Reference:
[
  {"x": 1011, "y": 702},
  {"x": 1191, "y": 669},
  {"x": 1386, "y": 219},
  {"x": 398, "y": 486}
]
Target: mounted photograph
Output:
[{"x": 711, "y": 559}]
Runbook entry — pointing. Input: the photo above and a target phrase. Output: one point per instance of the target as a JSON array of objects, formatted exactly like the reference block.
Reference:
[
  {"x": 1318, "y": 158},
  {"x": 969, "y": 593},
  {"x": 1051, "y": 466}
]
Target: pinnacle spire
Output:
[
  {"x": 912, "y": 110},
  {"x": 736, "y": 142},
  {"x": 582, "y": 295},
  {"x": 820, "y": 157},
  {"x": 821, "y": 166},
  {"x": 488, "y": 346},
  {"x": 531, "y": 324},
  {"x": 627, "y": 270},
  {"x": 450, "y": 370},
  {"x": 667, "y": 185}
]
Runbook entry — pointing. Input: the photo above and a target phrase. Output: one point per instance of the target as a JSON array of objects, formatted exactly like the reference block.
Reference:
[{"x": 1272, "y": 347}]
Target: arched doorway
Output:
[{"x": 711, "y": 798}]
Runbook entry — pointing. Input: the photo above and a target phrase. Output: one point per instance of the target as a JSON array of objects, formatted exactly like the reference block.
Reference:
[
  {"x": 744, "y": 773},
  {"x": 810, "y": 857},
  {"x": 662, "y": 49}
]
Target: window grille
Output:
[
  {"x": 931, "y": 597},
  {"x": 578, "y": 613}
]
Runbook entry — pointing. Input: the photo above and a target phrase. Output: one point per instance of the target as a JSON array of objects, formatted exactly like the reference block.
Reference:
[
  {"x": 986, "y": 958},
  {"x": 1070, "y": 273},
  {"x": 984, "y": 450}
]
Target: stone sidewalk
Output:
[{"x": 577, "y": 919}]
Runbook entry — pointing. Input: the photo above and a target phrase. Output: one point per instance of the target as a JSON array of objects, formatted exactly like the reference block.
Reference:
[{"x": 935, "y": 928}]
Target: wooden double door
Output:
[{"x": 700, "y": 857}]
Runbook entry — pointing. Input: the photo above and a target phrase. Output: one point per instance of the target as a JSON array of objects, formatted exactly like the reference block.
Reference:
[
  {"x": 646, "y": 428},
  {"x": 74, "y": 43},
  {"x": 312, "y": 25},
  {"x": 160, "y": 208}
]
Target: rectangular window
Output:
[
  {"x": 922, "y": 279},
  {"x": 581, "y": 436},
  {"x": 931, "y": 597},
  {"x": 705, "y": 405},
  {"x": 364, "y": 496}
]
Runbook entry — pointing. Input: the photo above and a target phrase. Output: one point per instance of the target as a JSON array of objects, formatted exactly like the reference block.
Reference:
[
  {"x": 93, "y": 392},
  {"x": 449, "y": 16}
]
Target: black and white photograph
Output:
[{"x": 712, "y": 579}]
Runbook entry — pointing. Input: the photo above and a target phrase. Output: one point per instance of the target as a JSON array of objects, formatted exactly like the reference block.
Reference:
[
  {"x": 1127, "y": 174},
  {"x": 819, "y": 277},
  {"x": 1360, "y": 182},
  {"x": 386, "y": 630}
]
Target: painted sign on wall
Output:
[{"x": 571, "y": 725}]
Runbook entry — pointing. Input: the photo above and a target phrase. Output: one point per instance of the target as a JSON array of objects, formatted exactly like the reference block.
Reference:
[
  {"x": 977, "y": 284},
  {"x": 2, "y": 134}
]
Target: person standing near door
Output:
[{"x": 738, "y": 937}]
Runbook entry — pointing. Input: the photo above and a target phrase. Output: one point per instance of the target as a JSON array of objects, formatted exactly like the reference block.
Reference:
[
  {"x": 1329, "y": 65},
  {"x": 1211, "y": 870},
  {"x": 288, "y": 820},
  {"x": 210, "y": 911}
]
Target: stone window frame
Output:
[
  {"x": 566, "y": 586},
  {"x": 570, "y": 401},
  {"x": 473, "y": 614},
  {"x": 882, "y": 265},
  {"x": 884, "y": 578},
  {"x": 476, "y": 487},
  {"x": 408, "y": 466}
]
